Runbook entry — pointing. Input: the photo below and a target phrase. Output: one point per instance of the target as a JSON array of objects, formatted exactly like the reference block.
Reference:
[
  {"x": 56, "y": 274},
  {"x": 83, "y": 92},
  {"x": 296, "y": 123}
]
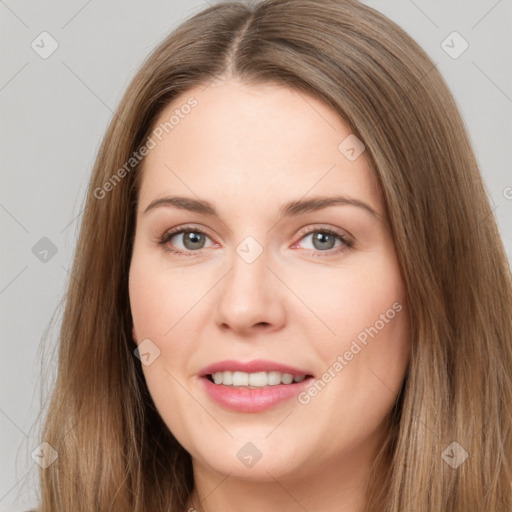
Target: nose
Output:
[{"x": 251, "y": 299}]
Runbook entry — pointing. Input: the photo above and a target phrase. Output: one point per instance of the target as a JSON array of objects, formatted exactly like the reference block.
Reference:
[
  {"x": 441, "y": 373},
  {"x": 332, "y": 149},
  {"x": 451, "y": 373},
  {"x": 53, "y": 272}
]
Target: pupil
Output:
[
  {"x": 325, "y": 240},
  {"x": 193, "y": 240}
]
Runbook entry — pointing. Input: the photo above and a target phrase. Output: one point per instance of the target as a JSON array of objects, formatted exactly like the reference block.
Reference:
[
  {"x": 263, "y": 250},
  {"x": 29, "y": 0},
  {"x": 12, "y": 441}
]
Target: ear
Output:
[{"x": 134, "y": 335}]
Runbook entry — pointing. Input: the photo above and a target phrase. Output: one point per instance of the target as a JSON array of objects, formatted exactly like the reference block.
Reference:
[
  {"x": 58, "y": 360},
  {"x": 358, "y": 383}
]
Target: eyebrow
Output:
[{"x": 293, "y": 208}]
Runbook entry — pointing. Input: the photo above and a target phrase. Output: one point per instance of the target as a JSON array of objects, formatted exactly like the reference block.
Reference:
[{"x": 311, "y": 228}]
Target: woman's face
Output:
[{"x": 285, "y": 271}]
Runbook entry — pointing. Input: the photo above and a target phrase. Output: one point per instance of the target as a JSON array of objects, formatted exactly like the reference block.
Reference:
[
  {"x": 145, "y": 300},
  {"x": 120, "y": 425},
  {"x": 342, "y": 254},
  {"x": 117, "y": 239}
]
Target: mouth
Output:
[
  {"x": 253, "y": 374},
  {"x": 253, "y": 386},
  {"x": 239, "y": 379}
]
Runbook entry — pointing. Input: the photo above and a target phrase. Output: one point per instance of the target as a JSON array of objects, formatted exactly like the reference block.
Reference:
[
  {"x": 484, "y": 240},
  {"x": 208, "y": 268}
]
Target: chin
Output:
[{"x": 256, "y": 459}]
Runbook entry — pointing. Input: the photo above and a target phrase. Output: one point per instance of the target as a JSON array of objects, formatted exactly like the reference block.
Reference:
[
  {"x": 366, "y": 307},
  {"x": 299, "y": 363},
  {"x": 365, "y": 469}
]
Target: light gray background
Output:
[{"x": 54, "y": 114}]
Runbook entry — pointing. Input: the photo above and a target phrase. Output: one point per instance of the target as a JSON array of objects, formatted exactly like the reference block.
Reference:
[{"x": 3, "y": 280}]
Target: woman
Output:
[{"x": 289, "y": 291}]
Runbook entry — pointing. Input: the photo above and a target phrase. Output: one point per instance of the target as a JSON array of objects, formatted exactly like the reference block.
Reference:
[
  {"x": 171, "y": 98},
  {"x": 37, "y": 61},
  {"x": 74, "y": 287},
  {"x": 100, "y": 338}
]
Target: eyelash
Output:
[{"x": 346, "y": 242}]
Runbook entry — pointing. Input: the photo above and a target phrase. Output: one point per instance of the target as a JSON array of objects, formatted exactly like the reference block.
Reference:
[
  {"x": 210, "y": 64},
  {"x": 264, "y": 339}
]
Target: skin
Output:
[{"x": 248, "y": 150}]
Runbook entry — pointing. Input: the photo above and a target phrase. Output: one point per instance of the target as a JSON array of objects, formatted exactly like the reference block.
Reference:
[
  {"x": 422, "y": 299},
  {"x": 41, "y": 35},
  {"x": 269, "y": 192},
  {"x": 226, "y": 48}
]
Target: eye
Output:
[
  {"x": 184, "y": 240},
  {"x": 326, "y": 240},
  {"x": 190, "y": 241}
]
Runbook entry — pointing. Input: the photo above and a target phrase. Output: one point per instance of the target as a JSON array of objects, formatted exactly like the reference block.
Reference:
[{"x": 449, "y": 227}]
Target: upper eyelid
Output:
[{"x": 307, "y": 230}]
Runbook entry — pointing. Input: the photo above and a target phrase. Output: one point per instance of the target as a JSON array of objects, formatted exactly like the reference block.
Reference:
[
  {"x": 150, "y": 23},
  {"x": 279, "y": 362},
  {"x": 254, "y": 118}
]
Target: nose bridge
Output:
[
  {"x": 249, "y": 294},
  {"x": 249, "y": 269}
]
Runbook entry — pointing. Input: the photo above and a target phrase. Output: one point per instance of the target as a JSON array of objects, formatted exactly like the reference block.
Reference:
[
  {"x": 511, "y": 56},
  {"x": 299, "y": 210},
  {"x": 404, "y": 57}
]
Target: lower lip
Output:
[{"x": 252, "y": 400}]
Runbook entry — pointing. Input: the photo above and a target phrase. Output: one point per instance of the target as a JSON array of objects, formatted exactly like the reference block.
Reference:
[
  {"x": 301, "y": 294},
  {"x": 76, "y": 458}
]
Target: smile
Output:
[
  {"x": 252, "y": 386},
  {"x": 254, "y": 380}
]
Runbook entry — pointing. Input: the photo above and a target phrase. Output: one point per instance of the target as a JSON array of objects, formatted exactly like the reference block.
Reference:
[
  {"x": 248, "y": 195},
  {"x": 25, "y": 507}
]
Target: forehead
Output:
[{"x": 246, "y": 142}]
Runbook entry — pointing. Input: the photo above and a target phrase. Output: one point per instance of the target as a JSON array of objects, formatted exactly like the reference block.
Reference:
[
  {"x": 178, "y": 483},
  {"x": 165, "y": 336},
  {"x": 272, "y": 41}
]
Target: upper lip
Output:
[{"x": 254, "y": 366}]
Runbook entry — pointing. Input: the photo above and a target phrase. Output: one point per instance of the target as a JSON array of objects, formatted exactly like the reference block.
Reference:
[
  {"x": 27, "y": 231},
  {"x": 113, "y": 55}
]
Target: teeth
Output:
[
  {"x": 239, "y": 379},
  {"x": 256, "y": 380},
  {"x": 273, "y": 378}
]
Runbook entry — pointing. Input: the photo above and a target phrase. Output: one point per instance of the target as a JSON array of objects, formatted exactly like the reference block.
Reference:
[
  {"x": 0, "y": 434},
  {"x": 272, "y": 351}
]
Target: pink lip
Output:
[
  {"x": 257, "y": 365},
  {"x": 251, "y": 400}
]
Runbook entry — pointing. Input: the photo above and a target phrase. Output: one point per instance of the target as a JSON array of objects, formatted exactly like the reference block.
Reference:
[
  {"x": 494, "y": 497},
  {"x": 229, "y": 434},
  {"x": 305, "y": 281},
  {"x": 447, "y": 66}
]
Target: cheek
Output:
[
  {"x": 159, "y": 300},
  {"x": 159, "y": 297},
  {"x": 366, "y": 310},
  {"x": 365, "y": 361},
  {"x": 356, "y": 298}
]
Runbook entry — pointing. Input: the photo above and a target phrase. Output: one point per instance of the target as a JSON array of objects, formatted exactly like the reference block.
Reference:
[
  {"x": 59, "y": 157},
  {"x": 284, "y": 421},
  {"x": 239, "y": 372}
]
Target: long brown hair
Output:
[{"x": 114, "y": 450}]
